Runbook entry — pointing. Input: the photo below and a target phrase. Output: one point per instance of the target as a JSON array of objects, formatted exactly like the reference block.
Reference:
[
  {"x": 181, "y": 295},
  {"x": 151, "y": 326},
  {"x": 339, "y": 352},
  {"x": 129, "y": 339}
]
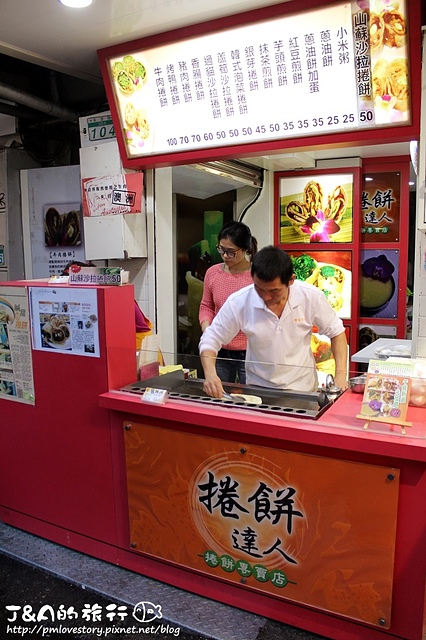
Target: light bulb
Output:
[{"x": 76, "y": 4}]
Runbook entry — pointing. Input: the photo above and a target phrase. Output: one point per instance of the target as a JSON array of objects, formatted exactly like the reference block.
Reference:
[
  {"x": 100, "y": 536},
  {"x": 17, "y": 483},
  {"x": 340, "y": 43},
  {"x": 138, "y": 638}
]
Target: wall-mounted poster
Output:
[
  {"x": 379, "y": 283},
  {"x": 52, "y": 229},
  {"x": 65, "y": 320},
  {"x": 316, "y": 209},
  {"x": 380, "y": 208},
  {"x": 16, "y": 369},
  {"x": 330, "y": 271}
]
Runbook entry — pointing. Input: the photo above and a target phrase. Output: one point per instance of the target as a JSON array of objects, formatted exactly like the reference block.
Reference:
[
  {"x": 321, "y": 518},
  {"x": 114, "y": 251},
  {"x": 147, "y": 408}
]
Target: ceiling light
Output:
[
  {"x": 243, "y": 172},
  {"x": 76, "y": 4}
]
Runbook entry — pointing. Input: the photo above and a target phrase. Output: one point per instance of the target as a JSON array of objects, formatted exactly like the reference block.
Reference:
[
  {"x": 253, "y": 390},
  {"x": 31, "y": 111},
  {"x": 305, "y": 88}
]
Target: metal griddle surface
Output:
[{"x": 275, "y": 401}]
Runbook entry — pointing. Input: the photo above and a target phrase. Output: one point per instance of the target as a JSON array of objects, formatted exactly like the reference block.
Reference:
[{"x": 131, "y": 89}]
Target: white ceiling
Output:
[{"x": 51, "y": 35}]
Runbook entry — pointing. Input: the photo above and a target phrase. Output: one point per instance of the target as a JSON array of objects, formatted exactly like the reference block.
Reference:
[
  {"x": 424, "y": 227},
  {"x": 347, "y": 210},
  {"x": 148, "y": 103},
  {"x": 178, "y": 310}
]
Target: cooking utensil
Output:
[
  {"x": 242, "y": 397},
  {"x": 357, "y": 384}
]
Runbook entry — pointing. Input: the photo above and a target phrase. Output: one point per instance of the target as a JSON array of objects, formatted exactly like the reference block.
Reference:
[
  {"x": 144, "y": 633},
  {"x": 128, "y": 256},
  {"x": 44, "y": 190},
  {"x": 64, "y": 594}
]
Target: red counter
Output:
[{"x": 381, "y": 485}]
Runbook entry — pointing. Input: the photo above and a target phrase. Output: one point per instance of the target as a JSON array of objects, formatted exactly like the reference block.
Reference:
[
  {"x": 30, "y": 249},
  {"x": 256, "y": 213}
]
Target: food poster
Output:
[
  {"x": 379, "y": 283},
  {"x": 228, "y": 88},
  {"x": 380, "y": 207},
  {"x": 65, "y": 320},
  {"x": 315, "y": 209},
  {"x": 53, "y": 234},
  {"x": 308, "y": 529},
  {"x": 330, "y": 271},
  {"x": 413, "y": 369},
  {"x": 112, "y": 195},
  {"x": 16, "y": 371},
  {"x": 389, "y": 61},
  {"x": 386, "y": 395},
  {"x": 324, "y": 359}
]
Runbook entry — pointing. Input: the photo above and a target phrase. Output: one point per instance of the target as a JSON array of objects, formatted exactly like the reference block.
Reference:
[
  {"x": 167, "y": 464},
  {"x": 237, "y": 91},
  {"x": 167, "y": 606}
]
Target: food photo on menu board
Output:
[
  {"x": 316, "y": 209},
  {"x": 130, "y": 78},
  {"x": 389, "y": 61},
  {"x": 331, "y": 272},
  {"x": 379, "y": 283},
  {"x": 386, "y": 397}
]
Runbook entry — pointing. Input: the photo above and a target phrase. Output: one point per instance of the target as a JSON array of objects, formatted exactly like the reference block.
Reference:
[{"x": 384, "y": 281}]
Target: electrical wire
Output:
[{"x": 256, "y": 197}]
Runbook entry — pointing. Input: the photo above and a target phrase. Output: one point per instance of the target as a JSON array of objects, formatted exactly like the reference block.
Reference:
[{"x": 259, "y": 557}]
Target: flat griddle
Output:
[{"x": 274, "y": 401}]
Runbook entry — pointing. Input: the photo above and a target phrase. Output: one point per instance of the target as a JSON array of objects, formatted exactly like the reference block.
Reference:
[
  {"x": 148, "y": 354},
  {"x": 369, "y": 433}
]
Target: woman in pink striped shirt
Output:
[{"x": 237, "y": 247}]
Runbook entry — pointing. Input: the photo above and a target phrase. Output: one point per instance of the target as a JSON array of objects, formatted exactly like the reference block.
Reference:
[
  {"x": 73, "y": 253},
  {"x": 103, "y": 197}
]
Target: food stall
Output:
[
  {"x": 307, "y": 510},
  {"x": 298, "y": 507}
]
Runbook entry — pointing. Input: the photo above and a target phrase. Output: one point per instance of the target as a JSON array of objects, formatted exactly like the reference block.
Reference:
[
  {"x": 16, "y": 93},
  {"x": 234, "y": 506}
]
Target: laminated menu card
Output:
[{"x": 387, "y": 392}]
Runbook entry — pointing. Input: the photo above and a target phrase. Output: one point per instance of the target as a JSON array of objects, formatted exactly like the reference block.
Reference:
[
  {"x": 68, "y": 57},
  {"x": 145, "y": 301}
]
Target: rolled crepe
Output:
[
  {"x": 395, "y": 30},
  {"x": 398, "y": 81},
  {"x": 377, "y": 29}
]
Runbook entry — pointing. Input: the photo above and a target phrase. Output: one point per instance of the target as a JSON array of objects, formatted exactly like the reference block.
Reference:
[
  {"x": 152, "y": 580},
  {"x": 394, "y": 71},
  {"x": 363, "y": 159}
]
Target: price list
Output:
[{"x": 289, "y": 77}]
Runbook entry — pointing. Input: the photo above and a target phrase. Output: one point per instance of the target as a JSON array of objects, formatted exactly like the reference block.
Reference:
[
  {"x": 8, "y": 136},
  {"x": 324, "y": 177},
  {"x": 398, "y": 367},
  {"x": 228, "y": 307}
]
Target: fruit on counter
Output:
[{"x": 377, "y": 284}]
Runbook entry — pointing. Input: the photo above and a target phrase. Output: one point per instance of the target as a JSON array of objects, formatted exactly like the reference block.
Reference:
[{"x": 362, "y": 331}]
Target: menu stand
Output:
[{"x": 395, "y": 421}]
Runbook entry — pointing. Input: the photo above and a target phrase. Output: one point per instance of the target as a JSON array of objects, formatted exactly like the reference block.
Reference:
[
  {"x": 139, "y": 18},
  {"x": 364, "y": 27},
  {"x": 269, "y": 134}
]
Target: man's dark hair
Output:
[{"x": 270, "y": 263}]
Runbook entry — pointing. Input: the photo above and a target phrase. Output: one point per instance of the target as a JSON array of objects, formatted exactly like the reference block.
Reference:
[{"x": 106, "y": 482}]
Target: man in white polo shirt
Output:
[{"x": 277, "y": 313}]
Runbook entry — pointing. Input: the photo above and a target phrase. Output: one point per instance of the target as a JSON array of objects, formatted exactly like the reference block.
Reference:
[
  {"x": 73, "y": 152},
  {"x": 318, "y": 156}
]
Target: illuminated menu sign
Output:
[{"x": 334, "y": 69}]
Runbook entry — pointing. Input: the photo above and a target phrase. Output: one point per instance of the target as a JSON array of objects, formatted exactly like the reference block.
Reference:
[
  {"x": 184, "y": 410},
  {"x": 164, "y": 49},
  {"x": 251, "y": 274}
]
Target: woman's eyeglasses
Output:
[{"x": 230, "y": 253}]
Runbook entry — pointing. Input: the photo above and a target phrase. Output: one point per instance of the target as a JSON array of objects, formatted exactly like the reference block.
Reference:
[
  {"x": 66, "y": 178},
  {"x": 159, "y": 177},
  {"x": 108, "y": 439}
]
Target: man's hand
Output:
[
  {"x": 341, "y": 380},
  {"x": 212, "y": 385}
]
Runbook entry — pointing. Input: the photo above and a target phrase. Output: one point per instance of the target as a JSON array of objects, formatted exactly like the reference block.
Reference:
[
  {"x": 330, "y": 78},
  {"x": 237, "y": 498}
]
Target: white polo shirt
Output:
[{"x": 278, "y": 349}]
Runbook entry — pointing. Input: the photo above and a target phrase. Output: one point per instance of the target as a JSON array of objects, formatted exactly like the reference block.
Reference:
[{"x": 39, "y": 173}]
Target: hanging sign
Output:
[{"x": 337, "y": 68}]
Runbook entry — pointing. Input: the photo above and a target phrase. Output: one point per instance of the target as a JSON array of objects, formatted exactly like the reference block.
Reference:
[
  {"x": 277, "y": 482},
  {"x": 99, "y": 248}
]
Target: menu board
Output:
[
  {"x": 387, "y": 393},
  {"x": 332, "y": 69}
]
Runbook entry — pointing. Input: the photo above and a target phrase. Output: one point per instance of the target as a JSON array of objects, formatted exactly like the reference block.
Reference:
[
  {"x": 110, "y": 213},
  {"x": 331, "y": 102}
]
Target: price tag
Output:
[{"x": 155, "y": 396}]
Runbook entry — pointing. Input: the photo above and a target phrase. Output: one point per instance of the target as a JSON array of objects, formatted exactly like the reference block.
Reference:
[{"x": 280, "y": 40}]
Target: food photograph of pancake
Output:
[
  {"x": 129, "y": 74},
  {"x": 331, "y": 272},
  {"x": 55, "y": 331},
  {"x": 389, "y": 61},
  {"x": 324, "y": 361},
  {"x": 316, "y": 209},
  {"x": 133, "y": 94}
]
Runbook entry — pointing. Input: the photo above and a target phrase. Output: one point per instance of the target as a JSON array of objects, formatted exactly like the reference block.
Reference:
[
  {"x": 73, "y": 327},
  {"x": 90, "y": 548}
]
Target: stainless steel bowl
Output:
[{"x": 357, "y": 384}]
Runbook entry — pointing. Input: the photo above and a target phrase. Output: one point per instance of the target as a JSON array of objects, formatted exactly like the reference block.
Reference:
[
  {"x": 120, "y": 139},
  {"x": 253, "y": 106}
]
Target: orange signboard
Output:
[{"x": 313, "y": 530}]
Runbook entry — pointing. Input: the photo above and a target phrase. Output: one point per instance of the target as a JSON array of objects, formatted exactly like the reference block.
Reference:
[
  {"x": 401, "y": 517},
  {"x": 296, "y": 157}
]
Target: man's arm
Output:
[
  {"x": 212, "y": 384},
  {"x": 339, "y": 347}
]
